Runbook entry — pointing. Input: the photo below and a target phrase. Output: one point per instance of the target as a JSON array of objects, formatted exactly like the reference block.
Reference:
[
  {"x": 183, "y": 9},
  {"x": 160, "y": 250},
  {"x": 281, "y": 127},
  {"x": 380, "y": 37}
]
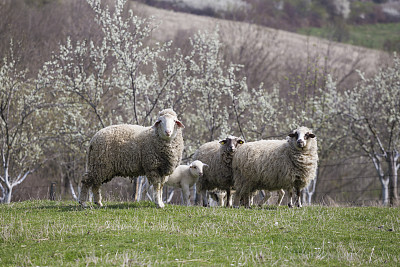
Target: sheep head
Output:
[
  {"x": 167, "y": 124},
  {"x": 196, "y": 168},
  {"x": 301, "y": 138},
  {"x": 231, "y": 143}
]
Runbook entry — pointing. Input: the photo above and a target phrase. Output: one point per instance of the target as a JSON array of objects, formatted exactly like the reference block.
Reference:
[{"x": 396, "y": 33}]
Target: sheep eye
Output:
[{"x": 240, "y": 142}]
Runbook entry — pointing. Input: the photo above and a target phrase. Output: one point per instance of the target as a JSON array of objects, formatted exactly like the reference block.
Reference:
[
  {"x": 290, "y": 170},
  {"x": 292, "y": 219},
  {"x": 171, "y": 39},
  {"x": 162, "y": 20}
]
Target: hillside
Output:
[
  {"x": 285, "y": 50},
  {"x": 41, "y": 25}
]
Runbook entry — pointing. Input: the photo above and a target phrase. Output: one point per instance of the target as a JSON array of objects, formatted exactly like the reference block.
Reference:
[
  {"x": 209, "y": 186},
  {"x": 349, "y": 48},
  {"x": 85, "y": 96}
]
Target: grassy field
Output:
[
  {"x": 45, "y": 233},
  {"x": 370, "y": 36}
]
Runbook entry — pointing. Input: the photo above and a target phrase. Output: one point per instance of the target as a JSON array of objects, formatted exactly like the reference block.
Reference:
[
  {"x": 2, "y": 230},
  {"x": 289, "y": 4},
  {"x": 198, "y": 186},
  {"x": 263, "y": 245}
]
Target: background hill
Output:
[{"x": 348, "y": 21}]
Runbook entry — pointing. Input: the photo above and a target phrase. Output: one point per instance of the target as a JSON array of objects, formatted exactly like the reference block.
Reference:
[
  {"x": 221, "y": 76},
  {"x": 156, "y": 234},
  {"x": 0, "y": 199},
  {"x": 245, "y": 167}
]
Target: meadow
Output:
[{"x": 54, "y": 233}]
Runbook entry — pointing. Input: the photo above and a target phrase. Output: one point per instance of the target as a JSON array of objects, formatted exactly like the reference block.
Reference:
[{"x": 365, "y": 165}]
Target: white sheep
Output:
[
  {"x": 218, "y": 156},
  {"x": 132, "y": 150},
  {"x": 185, "y": 176},
  {"x": 276, "y": 165}
]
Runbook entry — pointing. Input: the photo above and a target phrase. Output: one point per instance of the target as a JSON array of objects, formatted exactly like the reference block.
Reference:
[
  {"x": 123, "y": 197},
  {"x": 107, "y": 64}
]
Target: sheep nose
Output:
[
  {"x": 300, "y": 141},
  {"x": 167, "y": 132},
  {"x": 201, "y": 174}
]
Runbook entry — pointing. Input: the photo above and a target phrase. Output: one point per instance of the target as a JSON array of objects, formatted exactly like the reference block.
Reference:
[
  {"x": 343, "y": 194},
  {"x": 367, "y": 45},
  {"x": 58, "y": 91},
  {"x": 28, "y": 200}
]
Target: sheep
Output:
[
  {"x": 185, "y": 176},
  {"x": 218, "y": 156},
  {"x": 276, "y": 165},
  {"x": 132, "y": 150}
]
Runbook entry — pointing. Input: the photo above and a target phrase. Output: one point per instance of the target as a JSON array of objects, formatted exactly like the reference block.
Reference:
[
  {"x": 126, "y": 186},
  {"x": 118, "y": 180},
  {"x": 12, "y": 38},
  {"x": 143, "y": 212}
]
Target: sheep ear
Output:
[
  {"x": 206, "y": 165},
  {"x": 157, "y": 122},
  {"x": 291, "y": 135},
  {"x": 311, "y": 135},
  {"x": 180, "y": 124}
]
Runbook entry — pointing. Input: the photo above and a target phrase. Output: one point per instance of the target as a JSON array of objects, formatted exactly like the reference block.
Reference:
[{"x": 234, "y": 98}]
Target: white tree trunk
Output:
[
  {"x": 71, "y": 188},
  {"x": 385, "y": 190},
  {"x": 7, "y": 193},
  {"x": 384, "y": 181},
  {"x": 391, "y": 159},
  {"x": 309, "y": 191}
]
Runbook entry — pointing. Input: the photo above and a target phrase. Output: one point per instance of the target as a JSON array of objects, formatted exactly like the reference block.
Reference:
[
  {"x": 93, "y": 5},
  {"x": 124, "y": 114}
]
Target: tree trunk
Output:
[
  {"x": 385, "y": 190},
  {"x": 71, "y": 188},
  {"x": 7, "y": 197},
  {"x": 391, "y": 159},
  {"x": 384, "y": 181},
  {"x": 309, "y": 191}
]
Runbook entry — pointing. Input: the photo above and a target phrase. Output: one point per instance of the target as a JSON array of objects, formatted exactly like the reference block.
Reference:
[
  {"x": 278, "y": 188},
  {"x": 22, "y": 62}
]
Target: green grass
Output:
[
  {"x": 45, "y": 233},
  {"x": 371, "y": 36}
]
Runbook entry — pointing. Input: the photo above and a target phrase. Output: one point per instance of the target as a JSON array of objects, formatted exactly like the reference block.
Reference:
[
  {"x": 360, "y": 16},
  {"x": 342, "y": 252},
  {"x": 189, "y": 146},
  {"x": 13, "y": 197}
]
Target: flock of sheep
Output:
[{"x": 226, "y": 168}]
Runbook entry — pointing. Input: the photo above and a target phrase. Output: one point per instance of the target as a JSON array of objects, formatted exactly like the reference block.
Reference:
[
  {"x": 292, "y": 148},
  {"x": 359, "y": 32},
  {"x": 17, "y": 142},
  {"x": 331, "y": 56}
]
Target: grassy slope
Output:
[
  {"x": 60, "y": 233},
  {"x": 370, "y": 36}
]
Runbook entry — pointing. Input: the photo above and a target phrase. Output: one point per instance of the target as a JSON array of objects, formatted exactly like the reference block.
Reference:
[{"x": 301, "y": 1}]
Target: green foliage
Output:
[
  {"x": 377, "y": 36},
  {"x": 43, "y": 233}
]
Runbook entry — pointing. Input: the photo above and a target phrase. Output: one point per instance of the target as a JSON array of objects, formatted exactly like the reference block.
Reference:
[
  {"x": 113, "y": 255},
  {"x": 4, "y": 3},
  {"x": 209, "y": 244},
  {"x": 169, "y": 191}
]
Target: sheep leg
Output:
[
  {"x": 251, "y": 199},
  {"x": 298, "y": 197},
  {"x": 236, "y": 199},
  {"x": 228, "y": 197},
  {"x": 158, "y": 199},
  {"x": 267, "y": 196},
  {"x": 97, "y": 195},
  {"x": 186, "y": 194},
  {"x": 84, "y": 194},
  {"x": 246, "y": 198},
  {"x": 290, "y": 203},
  {"x": 204, "y": 198},
  {"x": 281, "y": 194}
]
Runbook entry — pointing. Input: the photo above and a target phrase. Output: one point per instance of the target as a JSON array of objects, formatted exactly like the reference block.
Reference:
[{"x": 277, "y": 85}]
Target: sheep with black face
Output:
[
  {"x": 273, "y": 165},
  {"x": 218, "y": 156}
]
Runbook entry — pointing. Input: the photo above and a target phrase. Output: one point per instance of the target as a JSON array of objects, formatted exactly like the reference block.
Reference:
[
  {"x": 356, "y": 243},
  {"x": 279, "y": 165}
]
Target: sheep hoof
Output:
[
  {"x": 83, "y": 204},
  {"x": 99, "y": 204},
  {"x": 290, "y": 205},
  {"x": 160, "y": 205}
]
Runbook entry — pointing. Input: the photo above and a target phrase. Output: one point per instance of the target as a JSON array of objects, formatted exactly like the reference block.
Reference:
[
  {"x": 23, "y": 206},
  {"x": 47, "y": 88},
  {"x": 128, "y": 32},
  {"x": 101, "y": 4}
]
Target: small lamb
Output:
[
  {"x": 185, "y": 176},
  {"x": 276, "y": 165}
]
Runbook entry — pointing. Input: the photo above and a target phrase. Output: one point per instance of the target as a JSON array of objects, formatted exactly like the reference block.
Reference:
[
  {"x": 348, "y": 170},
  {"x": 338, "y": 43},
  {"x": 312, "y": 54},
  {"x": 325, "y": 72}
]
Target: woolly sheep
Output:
[
  {"x": 276, "y": 165},
  {"x": 132, "y": 150},
  {"x": 185, "y": 176},
  {"x": 218, "y": 156}
]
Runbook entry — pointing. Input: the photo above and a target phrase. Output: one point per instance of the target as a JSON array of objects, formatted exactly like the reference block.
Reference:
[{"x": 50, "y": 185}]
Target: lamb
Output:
[
  {"x": 185, "y": 176},
  {"x": 276, "y": 165},
  {"x": 218, "y": 156},
  {"x": 132, "y": 150}
]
